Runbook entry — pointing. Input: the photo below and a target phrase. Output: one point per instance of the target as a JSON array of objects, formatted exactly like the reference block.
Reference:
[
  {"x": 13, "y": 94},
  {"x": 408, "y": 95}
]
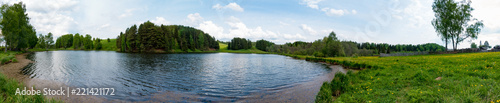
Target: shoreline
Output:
[{"x": 13, "y": 71}]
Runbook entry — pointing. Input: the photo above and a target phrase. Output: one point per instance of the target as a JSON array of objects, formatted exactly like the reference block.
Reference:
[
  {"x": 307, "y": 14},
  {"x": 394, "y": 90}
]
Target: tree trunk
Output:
[
  {"x": 446, "y": 45},
  {"x": 453, "y": 44}
]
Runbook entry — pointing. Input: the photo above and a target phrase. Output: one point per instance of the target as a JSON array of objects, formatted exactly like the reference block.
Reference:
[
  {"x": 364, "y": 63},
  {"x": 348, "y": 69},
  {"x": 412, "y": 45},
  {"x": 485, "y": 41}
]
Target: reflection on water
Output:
[{"x": 137, "y": 77}]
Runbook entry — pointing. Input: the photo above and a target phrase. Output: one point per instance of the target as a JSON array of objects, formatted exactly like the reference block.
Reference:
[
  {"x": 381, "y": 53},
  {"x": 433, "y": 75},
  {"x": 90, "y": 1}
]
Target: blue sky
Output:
[{"x": 280, "y": 21}]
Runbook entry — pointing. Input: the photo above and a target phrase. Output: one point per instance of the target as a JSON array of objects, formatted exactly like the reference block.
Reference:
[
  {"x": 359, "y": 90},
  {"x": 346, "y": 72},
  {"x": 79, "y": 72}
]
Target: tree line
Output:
[
  {"x": 330, "y": 46},
  {"x": 149, "y": 37},
  {"x": 78, "y": 42},
  {"x": 239, "y": 43},
  {"x": 263, "y": 44}
]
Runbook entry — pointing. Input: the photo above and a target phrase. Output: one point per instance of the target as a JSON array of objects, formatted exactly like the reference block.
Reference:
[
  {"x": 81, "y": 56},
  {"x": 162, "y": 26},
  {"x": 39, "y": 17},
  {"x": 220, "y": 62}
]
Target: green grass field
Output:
[
  {"x": 223, "y": 48},
  {"x": 470, "y": 77},
  {"x": 109, "y": 46}
]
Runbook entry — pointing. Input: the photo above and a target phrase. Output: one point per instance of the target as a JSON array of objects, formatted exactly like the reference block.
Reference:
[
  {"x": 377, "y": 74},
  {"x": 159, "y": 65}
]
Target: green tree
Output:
[
  {"x": 454, "y": 21},
  {"x": 473, "y": 45},
  {"x": 18, "y": 33},
  {"x": 263, "y": 44},
  {"x": 76, "y": 41},
  {"x": 88, "y": 42}
]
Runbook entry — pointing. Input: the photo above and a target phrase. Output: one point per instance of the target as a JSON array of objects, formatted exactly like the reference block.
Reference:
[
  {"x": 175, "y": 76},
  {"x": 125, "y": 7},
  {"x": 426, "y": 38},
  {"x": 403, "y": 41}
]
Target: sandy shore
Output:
[{"x": 13, "y": 71}]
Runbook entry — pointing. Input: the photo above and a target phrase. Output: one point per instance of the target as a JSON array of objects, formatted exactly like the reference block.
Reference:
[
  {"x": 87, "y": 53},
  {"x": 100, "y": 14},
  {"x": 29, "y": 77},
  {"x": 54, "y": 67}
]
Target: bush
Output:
[
  {"x": 324, "y": 94},
  {"x": 339, "y": 84},
  {"x": 5, "y": 60},
  {"x": 14, "y": 60},
  {"x": 319, "y": 54}
]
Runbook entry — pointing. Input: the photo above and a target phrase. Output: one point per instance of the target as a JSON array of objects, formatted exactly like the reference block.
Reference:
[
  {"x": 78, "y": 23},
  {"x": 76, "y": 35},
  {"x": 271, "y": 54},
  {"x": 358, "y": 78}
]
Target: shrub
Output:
[
  {"x": 339, "y": 84},
  {"x": 14, "y": 60},
  {"x": 319, "y": 54},
  {"x": 324, "y": 94},
  {"x": 5, "y": 60}
]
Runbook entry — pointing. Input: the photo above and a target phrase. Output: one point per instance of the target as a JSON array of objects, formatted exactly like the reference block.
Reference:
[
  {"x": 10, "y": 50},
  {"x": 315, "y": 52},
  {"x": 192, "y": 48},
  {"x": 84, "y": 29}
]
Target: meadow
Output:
[
  {"x": 468, "y": 77},
  {"x": 223, "y": 48}
]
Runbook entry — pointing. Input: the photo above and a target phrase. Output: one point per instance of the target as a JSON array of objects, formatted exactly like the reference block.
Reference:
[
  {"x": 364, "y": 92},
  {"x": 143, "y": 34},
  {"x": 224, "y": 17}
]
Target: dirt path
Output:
[{"x": 13, "y": 70}]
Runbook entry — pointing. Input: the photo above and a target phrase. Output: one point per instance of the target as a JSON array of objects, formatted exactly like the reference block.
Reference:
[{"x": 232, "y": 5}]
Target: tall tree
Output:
[
  {"x": 17, "y": 31},
  {"x": 454, "y": 21}
]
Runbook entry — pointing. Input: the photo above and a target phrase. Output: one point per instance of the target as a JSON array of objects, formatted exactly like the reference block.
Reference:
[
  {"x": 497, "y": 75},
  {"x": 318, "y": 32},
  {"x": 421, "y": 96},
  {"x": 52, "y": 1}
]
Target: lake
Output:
[{"x": 216, "y": 77}]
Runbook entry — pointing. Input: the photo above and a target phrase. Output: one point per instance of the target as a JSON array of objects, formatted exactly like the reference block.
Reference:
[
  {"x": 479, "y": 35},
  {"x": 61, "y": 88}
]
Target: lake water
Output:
[{"x": 195, "y": 77}]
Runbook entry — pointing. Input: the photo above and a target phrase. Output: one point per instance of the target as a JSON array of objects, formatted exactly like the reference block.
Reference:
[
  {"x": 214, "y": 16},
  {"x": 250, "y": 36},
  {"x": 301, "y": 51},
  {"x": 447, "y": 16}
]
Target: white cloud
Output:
[
  {"x": 419, "y": 13},
  {"x": 283, "y": 23},
  {"x": 194, "y": 19},
  {"x": 212, "y": 29},
  {"x": 312, "y": 3},
  {"x": 232, "y": 6},
  {"x": 239, "y": 29},
  {"x": 160, "y": 20},
  {"x": 50, "y": 16},
  {"x": 127, "y": 13},
  {"x": 337, "y": 12},
  {"x": 294, "y": 37},
  {"x": 103, "y": 26},
  {"x": 333, "y": 12},
  {"x": 308, "y": 29},
  {"x": 484, "y": 10},
  {"x": 354, "y": 11}
]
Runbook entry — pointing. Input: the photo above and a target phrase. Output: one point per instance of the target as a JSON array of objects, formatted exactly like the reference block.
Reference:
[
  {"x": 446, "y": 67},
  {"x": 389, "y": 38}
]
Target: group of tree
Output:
[
  {"x": 239, "y": 43},
  {"x": 387, "y": 48},
  {"x": 45, "y": 41},
  {"x": 149, "y": 37},
  {"x": 263, "y": 44},
  {"x": 17, "y": 32},
  {"x": 454, "y": 21},
  {"x": 78, "y": 42},
  {"x": 330, "y": 46}
]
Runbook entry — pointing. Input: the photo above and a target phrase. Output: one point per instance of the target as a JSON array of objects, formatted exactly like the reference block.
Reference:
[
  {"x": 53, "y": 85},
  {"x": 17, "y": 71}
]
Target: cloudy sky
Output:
[{"x": 280, "y": 21}]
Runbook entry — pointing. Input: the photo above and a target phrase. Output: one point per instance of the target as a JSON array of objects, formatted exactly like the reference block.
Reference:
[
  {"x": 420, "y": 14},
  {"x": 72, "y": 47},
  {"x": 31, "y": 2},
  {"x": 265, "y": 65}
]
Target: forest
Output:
[
  {"x": 149, "y": 37},
  {"x": 78, "y": 42}
]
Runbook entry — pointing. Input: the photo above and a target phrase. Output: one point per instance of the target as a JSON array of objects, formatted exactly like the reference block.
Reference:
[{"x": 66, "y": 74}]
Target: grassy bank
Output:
[
  {"x": 8, "y": 57},
  {"x": 223, "y": 48},
  {"x": 8, "y": 87},
  {"x": 471, "y": 77},
  {"x": 108, "y": 46}
]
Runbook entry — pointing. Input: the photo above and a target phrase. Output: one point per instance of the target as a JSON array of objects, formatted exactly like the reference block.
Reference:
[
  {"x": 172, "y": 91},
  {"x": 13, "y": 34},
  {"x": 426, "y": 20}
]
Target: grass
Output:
[
  {"x": 109, "y": 46},
  {"x": 470, "y": 77},
  {"x": 8, "y": 57},
  {"x": 223, "y": 48},
  {"x": 8, "y": 88}
]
